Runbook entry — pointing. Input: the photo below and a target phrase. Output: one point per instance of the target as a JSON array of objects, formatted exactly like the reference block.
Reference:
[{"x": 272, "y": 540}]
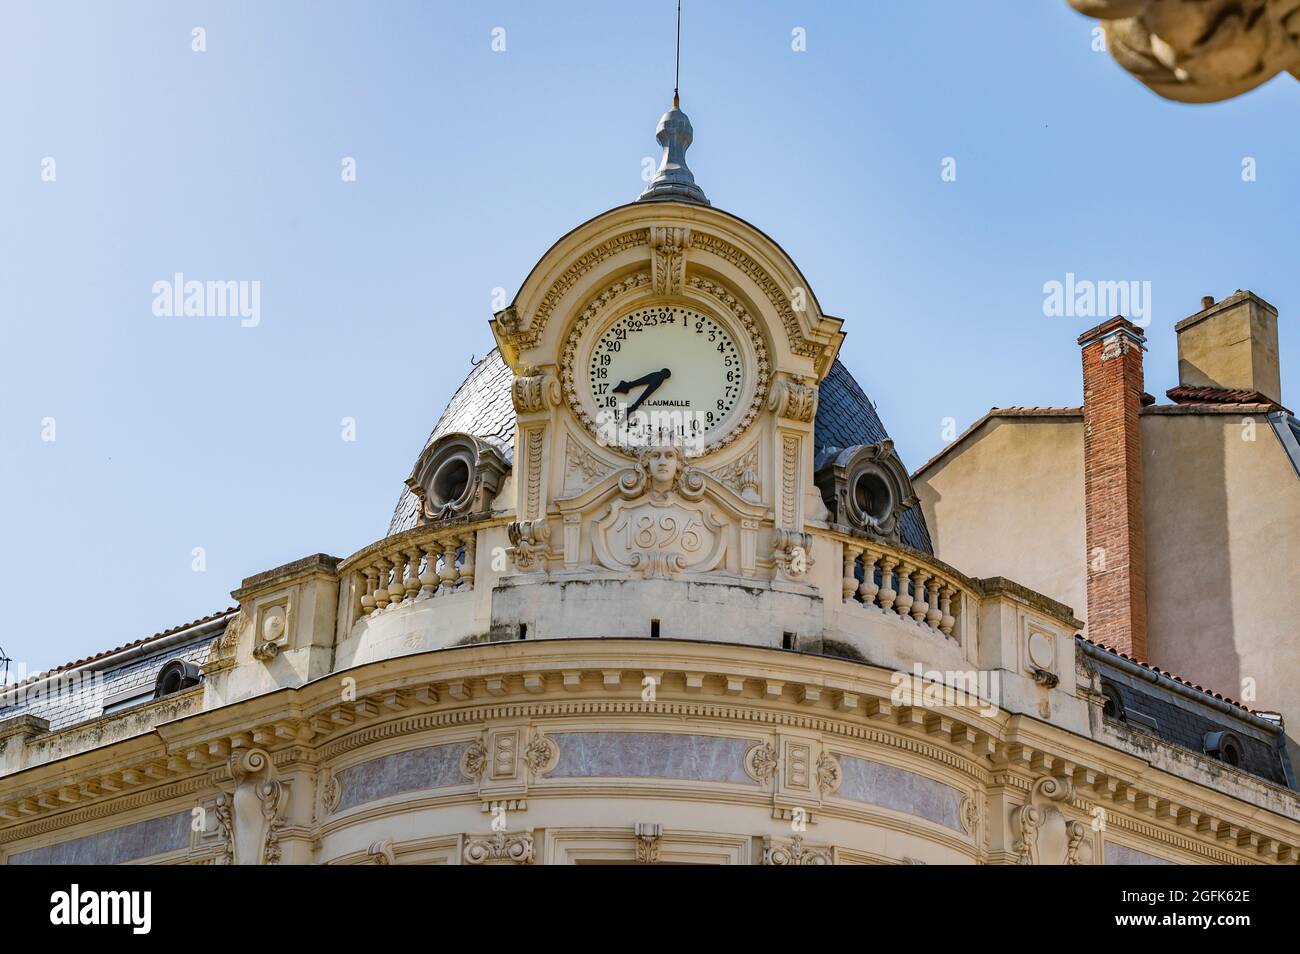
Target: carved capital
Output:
[
  {"x": 795, "y": 852},
  {"x": 500, "y": 846}
]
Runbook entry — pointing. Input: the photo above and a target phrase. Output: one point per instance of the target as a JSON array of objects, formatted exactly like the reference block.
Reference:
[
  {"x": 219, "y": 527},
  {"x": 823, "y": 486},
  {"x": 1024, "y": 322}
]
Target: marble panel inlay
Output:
[
  {"x": 700, "y": 758},
  {"x": 437, "y": 766},
  {"x": 115, "y": 846},
  {"x": 1124, "y": 855},
  {"x": 903, "y": 791}
]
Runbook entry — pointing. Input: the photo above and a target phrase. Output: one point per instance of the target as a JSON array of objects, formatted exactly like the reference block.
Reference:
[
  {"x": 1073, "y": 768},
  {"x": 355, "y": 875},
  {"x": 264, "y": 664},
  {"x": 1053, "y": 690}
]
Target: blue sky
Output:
[{"x": 177, "y": 433}]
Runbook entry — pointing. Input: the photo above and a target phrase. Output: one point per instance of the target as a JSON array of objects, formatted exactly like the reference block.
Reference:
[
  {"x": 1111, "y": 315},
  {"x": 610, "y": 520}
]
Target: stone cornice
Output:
[{"x": 568, "y": 678}]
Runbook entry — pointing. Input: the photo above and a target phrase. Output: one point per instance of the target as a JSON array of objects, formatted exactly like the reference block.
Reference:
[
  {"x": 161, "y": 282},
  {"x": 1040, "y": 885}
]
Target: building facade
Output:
[{"x": 658, "y": 589}]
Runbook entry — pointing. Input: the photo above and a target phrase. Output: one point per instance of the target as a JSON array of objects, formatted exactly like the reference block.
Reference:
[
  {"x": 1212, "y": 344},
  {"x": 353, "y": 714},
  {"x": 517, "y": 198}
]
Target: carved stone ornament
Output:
[
  {"x": 252, "y": 816},
  {"x": 791, "y": 553},
  {"x": 761, "y": 762},
  {"x": 456, "y": 474},
  {"x": 541, "y": 754},
  {"x": 660, "y": 524},
  {"x": 865, "y": 487},
  {"x": 1043, "y": 835},
  {"x": 529, "y": 543},
  {"x": 970, "y": 814},
  {"x": 331, "y": 792},
  {"x": 829, "y": 775},
  {"x": 741, "y": 475},
  {"x": 221, "y": 652},
  {"x": 648, "y": 837},
  {"x": 500, "y": 846},
  {"x": 381, "y": 852},
  {"x": 795, "y": 852},
  {"x": 474, "y": 760}
]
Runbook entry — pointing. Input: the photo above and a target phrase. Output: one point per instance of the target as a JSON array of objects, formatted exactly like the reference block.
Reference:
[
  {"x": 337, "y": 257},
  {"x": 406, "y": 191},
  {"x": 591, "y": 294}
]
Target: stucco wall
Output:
[
  {"x": 1223, "y": 554},
  {"x": 1009, "y": 503}
]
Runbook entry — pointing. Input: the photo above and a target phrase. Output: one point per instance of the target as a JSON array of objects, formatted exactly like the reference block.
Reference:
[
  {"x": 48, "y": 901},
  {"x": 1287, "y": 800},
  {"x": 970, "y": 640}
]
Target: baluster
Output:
[
  {"x": 945, "y": 607},
  {"x": 381, "y": 591},
  {"x": 887, "y": 595},
  {"x": 868, "y": 589},
  {"x": 411, "y": 581},
  {"x": 921, "y": 581},
  {"x": 851, "y": 554},
  {"x": 933, "y": 614},
  {"x": 368, "y": 597},
  {"x": 903, "y": 600},
  {"x": 448, "y": 571},
  {"x": 429, "y": 578},
  {"x": 397, "y": 588},
  {"x": 467, "y": 561}
]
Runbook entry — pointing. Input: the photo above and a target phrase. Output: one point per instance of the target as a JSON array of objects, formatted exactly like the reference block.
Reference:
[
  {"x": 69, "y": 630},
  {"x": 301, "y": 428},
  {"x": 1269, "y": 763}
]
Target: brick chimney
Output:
[
  {"x": 1112, "y": 485},
  {"x": 1232, "y": 345}
]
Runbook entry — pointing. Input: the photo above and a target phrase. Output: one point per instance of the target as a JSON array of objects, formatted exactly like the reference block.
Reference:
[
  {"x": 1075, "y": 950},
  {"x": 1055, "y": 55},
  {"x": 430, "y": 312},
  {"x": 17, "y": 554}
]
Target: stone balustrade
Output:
[
  {"x": 899, "y": 580},
  {"x": 414, "y": 566}
]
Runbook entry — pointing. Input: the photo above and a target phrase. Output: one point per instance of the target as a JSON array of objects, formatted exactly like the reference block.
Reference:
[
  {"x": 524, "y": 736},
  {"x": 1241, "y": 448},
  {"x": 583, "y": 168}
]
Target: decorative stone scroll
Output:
[
  {"x": 1044, "y": 836},
  {"x": 251, "y": 817}
]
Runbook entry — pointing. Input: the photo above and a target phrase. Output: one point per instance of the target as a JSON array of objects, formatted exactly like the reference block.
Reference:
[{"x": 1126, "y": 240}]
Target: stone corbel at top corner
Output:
[
  {"x": 535, "y": 390},
  {"x": 793, "y": 397}
]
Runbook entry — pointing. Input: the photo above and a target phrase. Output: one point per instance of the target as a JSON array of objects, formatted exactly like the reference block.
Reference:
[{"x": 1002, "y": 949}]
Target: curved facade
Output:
[{"x": 730, "y": 644}]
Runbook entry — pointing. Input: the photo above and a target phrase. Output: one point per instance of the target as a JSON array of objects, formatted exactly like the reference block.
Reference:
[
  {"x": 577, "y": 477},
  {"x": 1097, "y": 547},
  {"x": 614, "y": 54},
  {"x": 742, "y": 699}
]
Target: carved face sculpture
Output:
[{"x": 661, "y": 464}]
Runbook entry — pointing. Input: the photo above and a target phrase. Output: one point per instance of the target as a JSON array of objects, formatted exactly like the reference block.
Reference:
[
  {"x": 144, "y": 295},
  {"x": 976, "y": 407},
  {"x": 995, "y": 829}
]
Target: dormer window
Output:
[
  {"x": 1223, "y": 746},
  {"x": 176, "y": 676}
]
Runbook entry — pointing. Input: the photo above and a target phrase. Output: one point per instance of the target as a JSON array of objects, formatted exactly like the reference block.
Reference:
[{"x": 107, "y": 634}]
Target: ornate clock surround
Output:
[{"x": 700, "y": 293}]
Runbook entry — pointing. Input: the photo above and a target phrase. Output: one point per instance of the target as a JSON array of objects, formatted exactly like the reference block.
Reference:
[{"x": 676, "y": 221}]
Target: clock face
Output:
[{"x": 666, "y": 372}]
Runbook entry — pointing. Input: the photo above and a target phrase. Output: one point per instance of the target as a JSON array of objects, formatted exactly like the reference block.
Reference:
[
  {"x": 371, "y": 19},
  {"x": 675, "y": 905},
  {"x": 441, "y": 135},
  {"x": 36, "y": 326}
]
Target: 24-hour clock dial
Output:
[{"x": 673, "y": 370}]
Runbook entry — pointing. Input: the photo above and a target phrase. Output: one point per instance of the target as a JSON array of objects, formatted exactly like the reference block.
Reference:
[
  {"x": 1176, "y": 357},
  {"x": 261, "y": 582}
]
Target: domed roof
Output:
[{"x": 482, "y": 407}]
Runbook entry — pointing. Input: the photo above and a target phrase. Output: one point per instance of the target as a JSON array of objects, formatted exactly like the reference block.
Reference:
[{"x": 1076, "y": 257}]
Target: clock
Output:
[{"x": 667, "y": 372}]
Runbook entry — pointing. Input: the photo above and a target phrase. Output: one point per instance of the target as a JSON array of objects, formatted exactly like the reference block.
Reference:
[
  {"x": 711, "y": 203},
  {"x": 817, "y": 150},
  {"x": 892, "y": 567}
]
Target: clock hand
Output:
[
  {"x": 653, "y": 381},
  {"x": 624, "y": 386}
]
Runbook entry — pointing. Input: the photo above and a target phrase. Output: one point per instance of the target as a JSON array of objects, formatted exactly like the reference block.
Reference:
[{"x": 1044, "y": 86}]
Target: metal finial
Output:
[{"x": 674, "y": 179}]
